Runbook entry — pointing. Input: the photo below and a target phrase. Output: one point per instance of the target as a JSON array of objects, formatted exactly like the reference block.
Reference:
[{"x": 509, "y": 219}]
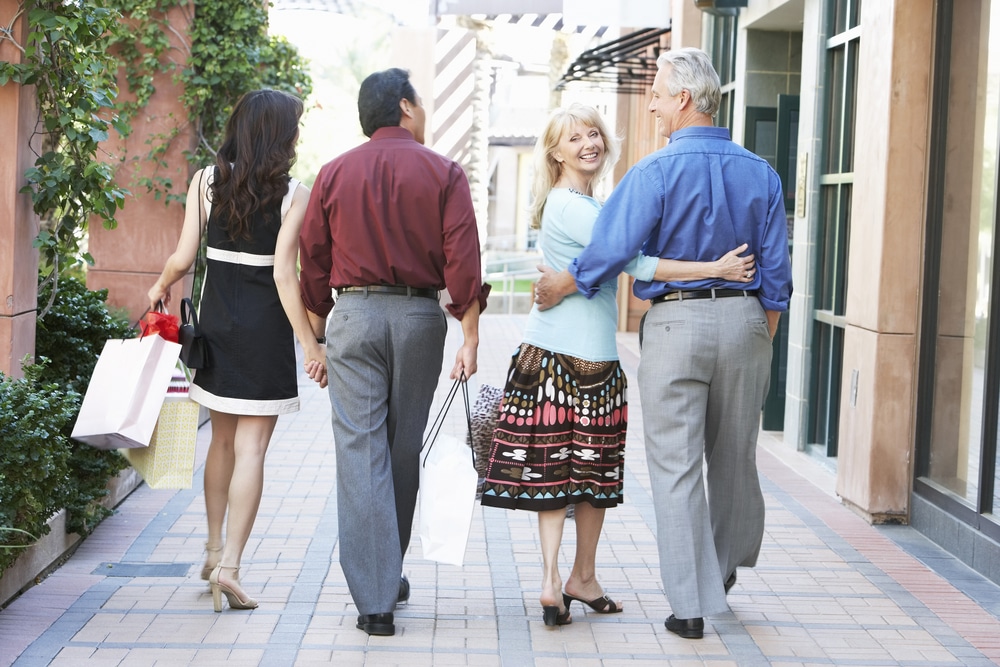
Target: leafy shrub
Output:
[
  {"x": 72, "y": 334},
  {"x": 70, "y": 337},
  {"x": 34, "y": 456}
]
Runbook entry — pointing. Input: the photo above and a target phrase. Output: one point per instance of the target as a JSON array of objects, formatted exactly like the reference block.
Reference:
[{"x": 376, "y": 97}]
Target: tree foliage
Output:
[
  {"x": 67, "y": 60},
  {"x": 224, "y": 53},
  {"x": 73, "y": 55}
]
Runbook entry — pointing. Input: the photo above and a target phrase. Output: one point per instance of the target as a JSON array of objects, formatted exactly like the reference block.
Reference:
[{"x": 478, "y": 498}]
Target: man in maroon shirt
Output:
[{"x": 389, "y": 224}]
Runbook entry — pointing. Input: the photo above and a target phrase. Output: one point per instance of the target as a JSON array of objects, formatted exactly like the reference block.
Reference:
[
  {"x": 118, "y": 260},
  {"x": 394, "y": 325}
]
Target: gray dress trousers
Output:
[
  {"x": 703, "y": 376},
  {"x": 384, "y": 357}
]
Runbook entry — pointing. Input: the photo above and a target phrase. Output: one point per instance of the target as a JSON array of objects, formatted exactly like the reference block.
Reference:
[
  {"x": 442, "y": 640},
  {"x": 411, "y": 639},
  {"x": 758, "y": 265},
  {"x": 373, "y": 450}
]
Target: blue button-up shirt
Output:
[{"x": 696, "y": 199}]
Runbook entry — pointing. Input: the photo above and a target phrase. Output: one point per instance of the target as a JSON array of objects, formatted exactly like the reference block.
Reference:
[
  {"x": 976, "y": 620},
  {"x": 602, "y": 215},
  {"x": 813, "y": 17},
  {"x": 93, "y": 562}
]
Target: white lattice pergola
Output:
[{"x": 337, "y": 6}]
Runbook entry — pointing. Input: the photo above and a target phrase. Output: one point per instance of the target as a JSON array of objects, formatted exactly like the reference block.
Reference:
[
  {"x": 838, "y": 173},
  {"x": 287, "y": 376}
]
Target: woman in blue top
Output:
[{"x": 560, "y": 437}]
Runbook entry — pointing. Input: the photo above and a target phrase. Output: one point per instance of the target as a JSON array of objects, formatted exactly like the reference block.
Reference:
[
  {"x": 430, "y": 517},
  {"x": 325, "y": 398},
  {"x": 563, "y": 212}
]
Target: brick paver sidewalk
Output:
[{"x": 829, "y": 589}]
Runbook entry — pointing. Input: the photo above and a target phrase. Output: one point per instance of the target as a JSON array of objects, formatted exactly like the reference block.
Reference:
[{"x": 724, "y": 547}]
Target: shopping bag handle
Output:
[
  {"x": 141, "y": 322},
  {"x": 432, "y": 434}
]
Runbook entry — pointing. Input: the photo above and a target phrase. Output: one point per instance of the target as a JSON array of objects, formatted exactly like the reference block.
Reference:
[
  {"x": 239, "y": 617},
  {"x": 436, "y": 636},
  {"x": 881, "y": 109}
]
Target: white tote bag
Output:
[
  {"x": 448, "y": 482},
  {"x": 126, "y": 392}
]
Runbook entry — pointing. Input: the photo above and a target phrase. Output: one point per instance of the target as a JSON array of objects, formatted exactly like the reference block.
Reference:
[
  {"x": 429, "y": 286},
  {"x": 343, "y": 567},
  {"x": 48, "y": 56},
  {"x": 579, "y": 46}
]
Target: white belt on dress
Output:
[{"x": 245, "y": 258}]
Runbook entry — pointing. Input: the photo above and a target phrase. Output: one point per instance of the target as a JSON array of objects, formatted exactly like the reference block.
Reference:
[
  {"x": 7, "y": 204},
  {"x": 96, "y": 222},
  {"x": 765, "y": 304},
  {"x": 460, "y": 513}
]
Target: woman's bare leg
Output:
[
  {"x": 218, "y": 472},
  {"x": 582, "y": 582},
  {"x": 550, "y": 530},
  {"x": 252, "y": 436}
]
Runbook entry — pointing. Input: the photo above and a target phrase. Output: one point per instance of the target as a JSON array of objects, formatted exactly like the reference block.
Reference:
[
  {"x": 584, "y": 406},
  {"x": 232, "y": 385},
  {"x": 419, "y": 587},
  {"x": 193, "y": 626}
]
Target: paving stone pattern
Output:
[{"x": 828, "y": 590}]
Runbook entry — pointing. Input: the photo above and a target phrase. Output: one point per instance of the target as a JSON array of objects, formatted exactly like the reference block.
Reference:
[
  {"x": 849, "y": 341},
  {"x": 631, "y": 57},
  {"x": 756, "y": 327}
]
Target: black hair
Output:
[
  {"x": 379, "y": 96},
  {"x": 253, "y": 163}
]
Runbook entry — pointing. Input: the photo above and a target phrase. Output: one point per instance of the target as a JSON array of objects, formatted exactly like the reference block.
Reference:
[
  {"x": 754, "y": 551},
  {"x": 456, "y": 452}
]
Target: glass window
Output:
[
  {"x": 846, "y": 14},
  {"x": 724, "y": 118},
  {"x": 831, "y": 282},
  {"x": 720, "y": 36},
  {"x": 828, "y": 341},
  {"x": 850, "y": 105},
  {"x": 833, "y": 136},
  {"x": 962, "y": 442},
  {"x": 836, "y": 187}
]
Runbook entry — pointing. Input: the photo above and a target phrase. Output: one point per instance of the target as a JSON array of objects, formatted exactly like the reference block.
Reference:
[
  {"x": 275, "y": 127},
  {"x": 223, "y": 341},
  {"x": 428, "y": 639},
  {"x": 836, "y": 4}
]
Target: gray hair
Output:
[{"x": 692, "y": 71}]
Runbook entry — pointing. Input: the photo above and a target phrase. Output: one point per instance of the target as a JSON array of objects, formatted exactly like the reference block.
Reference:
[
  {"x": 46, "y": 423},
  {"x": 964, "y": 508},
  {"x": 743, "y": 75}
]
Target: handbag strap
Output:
[
  {"x": 198, "y": 258},
  {"x": 188, "y": 313},
  {"x": 432, "y": 434}
]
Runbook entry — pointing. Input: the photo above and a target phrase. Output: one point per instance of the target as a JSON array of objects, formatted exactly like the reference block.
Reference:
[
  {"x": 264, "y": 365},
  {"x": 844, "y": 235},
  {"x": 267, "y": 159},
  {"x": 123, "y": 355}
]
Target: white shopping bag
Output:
[
  {"x": 126, "y": 392},
  {"x": 448, "y": 482}
]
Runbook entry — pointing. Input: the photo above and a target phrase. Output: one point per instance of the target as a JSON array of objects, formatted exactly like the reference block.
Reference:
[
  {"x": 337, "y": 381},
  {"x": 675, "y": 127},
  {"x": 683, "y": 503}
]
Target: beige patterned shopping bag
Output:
[{"x": 168, "y": 462}]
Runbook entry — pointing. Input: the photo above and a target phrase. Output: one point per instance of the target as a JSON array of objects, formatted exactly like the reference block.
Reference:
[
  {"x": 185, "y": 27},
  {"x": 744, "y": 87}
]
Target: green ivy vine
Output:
[
  {"x": 75, "y": 55},
  {"x": 227, "y": 53},
  {"x": 67, "y": 60}
]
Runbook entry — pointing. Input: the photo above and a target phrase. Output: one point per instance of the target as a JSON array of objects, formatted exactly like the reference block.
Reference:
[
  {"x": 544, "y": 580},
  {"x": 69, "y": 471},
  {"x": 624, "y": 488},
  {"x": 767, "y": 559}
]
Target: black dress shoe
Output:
[
  {"x": 688, "y": 628},
  {"x": 404, "y": 589},
  {"x": 730, "y": 582},
  {"x": 377, "y": 624}
]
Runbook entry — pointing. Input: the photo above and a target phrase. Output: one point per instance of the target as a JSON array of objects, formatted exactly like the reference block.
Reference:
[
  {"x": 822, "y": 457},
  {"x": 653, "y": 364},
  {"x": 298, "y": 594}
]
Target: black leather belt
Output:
[
  {"x": 401, "y": 290},
  {"x": 714, "y": 293}
]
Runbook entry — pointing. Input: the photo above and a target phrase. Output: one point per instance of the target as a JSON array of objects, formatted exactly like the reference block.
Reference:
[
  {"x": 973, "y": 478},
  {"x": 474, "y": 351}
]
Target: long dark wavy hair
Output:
[{"x": 252, "y": 165}]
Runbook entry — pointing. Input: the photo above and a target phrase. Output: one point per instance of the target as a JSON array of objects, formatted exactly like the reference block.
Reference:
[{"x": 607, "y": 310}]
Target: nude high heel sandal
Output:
[
  {"x": 218, "y": 590},
  {"x": 211, "y": 560}
]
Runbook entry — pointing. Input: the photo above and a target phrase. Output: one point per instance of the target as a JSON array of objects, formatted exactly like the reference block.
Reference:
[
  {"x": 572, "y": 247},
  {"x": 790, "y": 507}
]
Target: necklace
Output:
[{"x": 577, "y": 192}]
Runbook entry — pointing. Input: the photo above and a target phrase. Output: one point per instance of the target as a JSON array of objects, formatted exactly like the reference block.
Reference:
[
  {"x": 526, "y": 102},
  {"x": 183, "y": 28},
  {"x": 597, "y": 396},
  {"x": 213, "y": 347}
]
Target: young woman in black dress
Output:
[{"x": 250, "y": 313}]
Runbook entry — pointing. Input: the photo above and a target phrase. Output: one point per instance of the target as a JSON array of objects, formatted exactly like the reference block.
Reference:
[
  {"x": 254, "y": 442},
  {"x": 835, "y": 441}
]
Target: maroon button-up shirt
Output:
[{"x": 391, "y": 212}]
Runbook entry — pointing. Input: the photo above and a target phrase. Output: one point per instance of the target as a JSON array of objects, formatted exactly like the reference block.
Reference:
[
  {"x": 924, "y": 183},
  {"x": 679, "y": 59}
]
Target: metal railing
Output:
[{"x": 503, "y": 272}]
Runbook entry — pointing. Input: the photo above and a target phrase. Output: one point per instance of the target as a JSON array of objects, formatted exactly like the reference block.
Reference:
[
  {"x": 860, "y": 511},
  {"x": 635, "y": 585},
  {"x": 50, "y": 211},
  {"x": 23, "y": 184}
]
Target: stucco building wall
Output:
[{"x": 18, "y": 223}]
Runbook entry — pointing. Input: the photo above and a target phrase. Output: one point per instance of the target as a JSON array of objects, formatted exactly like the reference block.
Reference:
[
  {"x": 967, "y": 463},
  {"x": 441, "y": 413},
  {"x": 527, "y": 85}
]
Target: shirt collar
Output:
[
  {"x": 392, "y": 132},
  {"x": 700, "y": 131}
]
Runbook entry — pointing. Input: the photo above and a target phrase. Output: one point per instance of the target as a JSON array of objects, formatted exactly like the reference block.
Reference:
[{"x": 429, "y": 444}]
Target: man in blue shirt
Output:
[{"x": 706, "y": 344}]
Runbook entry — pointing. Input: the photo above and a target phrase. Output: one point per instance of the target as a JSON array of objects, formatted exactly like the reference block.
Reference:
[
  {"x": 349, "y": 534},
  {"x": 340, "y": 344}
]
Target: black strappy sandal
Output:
[
  {"x": 552, "y": 617},
  {"x": 601, "y": 605}
]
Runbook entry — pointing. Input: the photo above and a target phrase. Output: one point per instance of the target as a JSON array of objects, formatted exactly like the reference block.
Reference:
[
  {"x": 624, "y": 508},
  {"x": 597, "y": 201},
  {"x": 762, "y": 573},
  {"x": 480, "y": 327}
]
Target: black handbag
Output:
[{"x": 194, "y": 347}]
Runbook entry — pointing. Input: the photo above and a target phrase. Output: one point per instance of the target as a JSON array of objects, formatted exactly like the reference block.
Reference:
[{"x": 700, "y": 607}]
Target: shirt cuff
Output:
[{"x": 574, "y": 271}]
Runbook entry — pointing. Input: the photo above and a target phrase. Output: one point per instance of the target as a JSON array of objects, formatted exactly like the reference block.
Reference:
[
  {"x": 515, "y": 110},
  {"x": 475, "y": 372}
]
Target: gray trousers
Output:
[
  {"x": 703, "y": 375},
  {"x": 384, "y": 357}
]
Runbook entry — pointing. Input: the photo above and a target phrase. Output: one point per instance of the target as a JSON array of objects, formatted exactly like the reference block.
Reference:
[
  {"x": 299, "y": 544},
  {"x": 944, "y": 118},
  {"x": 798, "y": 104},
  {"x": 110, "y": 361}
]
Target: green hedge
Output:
[
  {"x": 34, "y": 456},
  {"x": 41, "y": 469}
]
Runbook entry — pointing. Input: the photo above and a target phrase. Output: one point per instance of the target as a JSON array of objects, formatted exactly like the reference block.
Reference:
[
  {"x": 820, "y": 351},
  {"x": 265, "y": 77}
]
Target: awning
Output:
[{"x": 625, "y": 65}]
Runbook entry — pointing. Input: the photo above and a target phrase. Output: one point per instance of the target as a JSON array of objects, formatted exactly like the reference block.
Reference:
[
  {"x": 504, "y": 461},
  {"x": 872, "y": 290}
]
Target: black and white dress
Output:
[{"x": 251, "y": 345}]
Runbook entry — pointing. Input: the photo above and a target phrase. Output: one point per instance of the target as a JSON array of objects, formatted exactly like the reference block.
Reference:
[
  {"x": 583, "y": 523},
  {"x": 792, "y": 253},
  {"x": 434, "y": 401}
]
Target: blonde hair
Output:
[{"x": 548, "y": 169}]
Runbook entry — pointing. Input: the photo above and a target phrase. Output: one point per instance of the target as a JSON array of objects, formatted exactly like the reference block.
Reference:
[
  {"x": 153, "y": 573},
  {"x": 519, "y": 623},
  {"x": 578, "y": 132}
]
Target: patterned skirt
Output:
[{"x": 560, "y": 437}]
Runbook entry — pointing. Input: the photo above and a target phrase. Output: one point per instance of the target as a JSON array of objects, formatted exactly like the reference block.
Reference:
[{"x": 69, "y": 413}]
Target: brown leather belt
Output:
[
  {"x": 714, "y": 293},
  {"x": 401, "y": 290}
]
